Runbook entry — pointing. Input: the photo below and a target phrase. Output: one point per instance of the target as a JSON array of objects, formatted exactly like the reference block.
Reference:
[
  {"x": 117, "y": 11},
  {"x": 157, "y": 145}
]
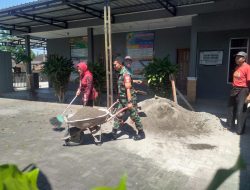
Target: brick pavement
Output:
[{"x": 152, "y": 164}]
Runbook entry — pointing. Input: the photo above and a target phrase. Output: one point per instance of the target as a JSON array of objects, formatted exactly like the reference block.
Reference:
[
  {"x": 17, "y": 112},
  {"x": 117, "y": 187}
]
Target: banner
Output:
[{"x": 140, "y": 47}]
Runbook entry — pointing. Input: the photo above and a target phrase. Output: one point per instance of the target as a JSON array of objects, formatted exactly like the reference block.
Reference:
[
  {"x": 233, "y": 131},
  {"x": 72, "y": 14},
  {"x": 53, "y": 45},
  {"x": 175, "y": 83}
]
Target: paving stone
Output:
[{"x": 27, "y": 136}]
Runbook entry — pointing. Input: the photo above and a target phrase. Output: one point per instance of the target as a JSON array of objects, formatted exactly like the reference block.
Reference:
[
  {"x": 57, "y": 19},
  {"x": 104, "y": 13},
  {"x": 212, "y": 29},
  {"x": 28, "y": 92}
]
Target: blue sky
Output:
[{"x": 10, "y": 3}]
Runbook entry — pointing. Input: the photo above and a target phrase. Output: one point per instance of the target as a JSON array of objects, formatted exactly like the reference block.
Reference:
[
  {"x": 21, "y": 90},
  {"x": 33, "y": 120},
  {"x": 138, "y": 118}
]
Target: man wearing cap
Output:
[
  {"x": 127, "y": 98},
  {"x": 239, "y": 94},
  {"x": 128, "y": 64}
]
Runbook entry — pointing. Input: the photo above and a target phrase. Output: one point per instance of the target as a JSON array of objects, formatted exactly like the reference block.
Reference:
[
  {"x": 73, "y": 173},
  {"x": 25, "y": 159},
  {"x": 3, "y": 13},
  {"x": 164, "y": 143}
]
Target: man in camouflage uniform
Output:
[{"x": 127, "y": 98}]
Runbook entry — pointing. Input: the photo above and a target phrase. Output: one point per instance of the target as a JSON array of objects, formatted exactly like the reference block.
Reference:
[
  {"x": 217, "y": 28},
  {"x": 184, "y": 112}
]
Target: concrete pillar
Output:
[
  {"x": 59, "y": 46},
  {"x": 193, "y": 53},
  {"x": 6, "y": 79},
  {"x": 27, "y": 52},
  {"x": 90, "y": 45},
  {"x": 192, "y": 79},
  {"x": 28, "y": 63},
  {"x": 191, "y": 89}
]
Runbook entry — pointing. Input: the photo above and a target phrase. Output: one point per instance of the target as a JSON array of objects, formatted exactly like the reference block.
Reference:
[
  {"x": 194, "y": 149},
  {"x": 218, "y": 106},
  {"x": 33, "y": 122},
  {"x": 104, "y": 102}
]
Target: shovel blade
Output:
[
  {"x": 60, "y": 118},
  {"x": 56, "y": 123}
]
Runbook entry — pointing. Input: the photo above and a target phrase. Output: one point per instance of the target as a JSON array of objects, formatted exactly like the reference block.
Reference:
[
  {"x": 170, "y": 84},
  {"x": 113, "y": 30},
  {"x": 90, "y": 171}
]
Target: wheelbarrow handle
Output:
[
  {"x": 117, "y": 101},
  {"x": 114, "y": 115}
]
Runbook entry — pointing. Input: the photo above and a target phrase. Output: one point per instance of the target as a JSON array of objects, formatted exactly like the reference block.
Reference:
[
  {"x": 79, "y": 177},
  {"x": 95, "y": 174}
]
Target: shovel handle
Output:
[{"x": 69, "y": 104}]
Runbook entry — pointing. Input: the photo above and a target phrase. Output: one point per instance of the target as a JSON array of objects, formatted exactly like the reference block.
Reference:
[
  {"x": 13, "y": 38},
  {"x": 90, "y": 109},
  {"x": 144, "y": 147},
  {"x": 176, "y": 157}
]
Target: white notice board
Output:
[{"x": 211, "y": 57}]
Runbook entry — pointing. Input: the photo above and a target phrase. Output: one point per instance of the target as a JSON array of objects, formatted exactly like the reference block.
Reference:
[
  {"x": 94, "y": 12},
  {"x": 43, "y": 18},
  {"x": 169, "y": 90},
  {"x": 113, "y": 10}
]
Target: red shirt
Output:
[{"x": 241, "y": 75}]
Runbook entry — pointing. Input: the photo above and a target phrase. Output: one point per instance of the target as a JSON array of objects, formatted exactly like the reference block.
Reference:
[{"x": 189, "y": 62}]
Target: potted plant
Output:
[
  {"x": 157, "y": 75},
  {"x": 58, "y": 70}
]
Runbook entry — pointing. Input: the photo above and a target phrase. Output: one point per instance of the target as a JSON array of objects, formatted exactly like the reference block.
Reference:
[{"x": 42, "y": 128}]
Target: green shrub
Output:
[
  {"x": 99, "y": 75},
  {"x": 157, "y": 74},
  {"x": 58, "y": 70}
]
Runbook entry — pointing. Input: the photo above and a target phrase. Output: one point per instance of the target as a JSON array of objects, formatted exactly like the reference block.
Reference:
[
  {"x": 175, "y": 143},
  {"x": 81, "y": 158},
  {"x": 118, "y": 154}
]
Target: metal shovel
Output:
[{"x": 60, "y": 117}]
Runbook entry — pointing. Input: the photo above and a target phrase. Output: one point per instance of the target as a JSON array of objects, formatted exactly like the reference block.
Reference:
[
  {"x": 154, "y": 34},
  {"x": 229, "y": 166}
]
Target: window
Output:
[{"x": 236, "y": 45}]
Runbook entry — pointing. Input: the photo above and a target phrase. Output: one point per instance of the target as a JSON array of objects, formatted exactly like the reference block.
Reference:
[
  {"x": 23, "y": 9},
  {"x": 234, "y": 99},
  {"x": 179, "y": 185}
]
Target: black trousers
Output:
[{"x": 237, "y": 109}]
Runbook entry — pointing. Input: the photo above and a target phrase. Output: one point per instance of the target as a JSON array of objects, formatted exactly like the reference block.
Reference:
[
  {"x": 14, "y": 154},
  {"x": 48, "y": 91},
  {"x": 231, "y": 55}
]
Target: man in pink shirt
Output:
[{"x": 239, "y": 94}]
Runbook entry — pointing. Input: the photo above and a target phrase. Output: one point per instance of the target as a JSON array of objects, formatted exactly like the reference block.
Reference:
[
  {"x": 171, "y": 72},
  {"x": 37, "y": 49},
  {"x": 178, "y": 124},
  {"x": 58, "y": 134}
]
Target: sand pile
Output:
[
  {"x": 87, "y": 112},
  {"x": 162, "y": 116}
]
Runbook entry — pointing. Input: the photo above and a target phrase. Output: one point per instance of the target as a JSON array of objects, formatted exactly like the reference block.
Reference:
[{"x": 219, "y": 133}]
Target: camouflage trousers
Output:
[{"x": 132, "y": 113}]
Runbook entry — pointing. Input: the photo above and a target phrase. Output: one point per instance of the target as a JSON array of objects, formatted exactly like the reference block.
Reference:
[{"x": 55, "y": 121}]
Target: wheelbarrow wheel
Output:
[
  {"x": 66, "y": 142},
  {"x": 81, "y": 137},
  {"x": 75, "y": 139}
]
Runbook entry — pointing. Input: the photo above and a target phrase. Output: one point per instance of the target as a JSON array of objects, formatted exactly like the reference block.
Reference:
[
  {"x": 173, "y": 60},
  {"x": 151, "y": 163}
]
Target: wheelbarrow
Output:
[{"x": 76, "y": 127}]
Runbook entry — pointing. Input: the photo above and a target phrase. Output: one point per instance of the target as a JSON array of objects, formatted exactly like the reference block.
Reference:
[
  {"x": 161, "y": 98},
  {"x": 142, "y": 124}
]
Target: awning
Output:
[{"x": 47, "y": 15}]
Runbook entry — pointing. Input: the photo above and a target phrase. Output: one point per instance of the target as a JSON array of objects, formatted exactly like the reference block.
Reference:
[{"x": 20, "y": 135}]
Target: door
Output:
[{"x": 183, "y": 56}]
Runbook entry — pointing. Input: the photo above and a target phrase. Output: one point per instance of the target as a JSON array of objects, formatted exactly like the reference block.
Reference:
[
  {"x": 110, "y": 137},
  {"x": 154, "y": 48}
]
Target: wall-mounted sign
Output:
[
  {"x": 211, "y": 57},
  {"x": 140, "y": 46}
]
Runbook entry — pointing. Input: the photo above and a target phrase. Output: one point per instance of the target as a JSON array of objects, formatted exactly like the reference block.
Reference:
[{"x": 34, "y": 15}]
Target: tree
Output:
[
  {"x": 18, "y": 53},
  {"x": 58, "y": 70}
]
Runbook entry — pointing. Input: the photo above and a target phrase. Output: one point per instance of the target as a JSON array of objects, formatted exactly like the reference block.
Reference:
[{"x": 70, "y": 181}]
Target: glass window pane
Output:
[{"x": 239, "y": 43}]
